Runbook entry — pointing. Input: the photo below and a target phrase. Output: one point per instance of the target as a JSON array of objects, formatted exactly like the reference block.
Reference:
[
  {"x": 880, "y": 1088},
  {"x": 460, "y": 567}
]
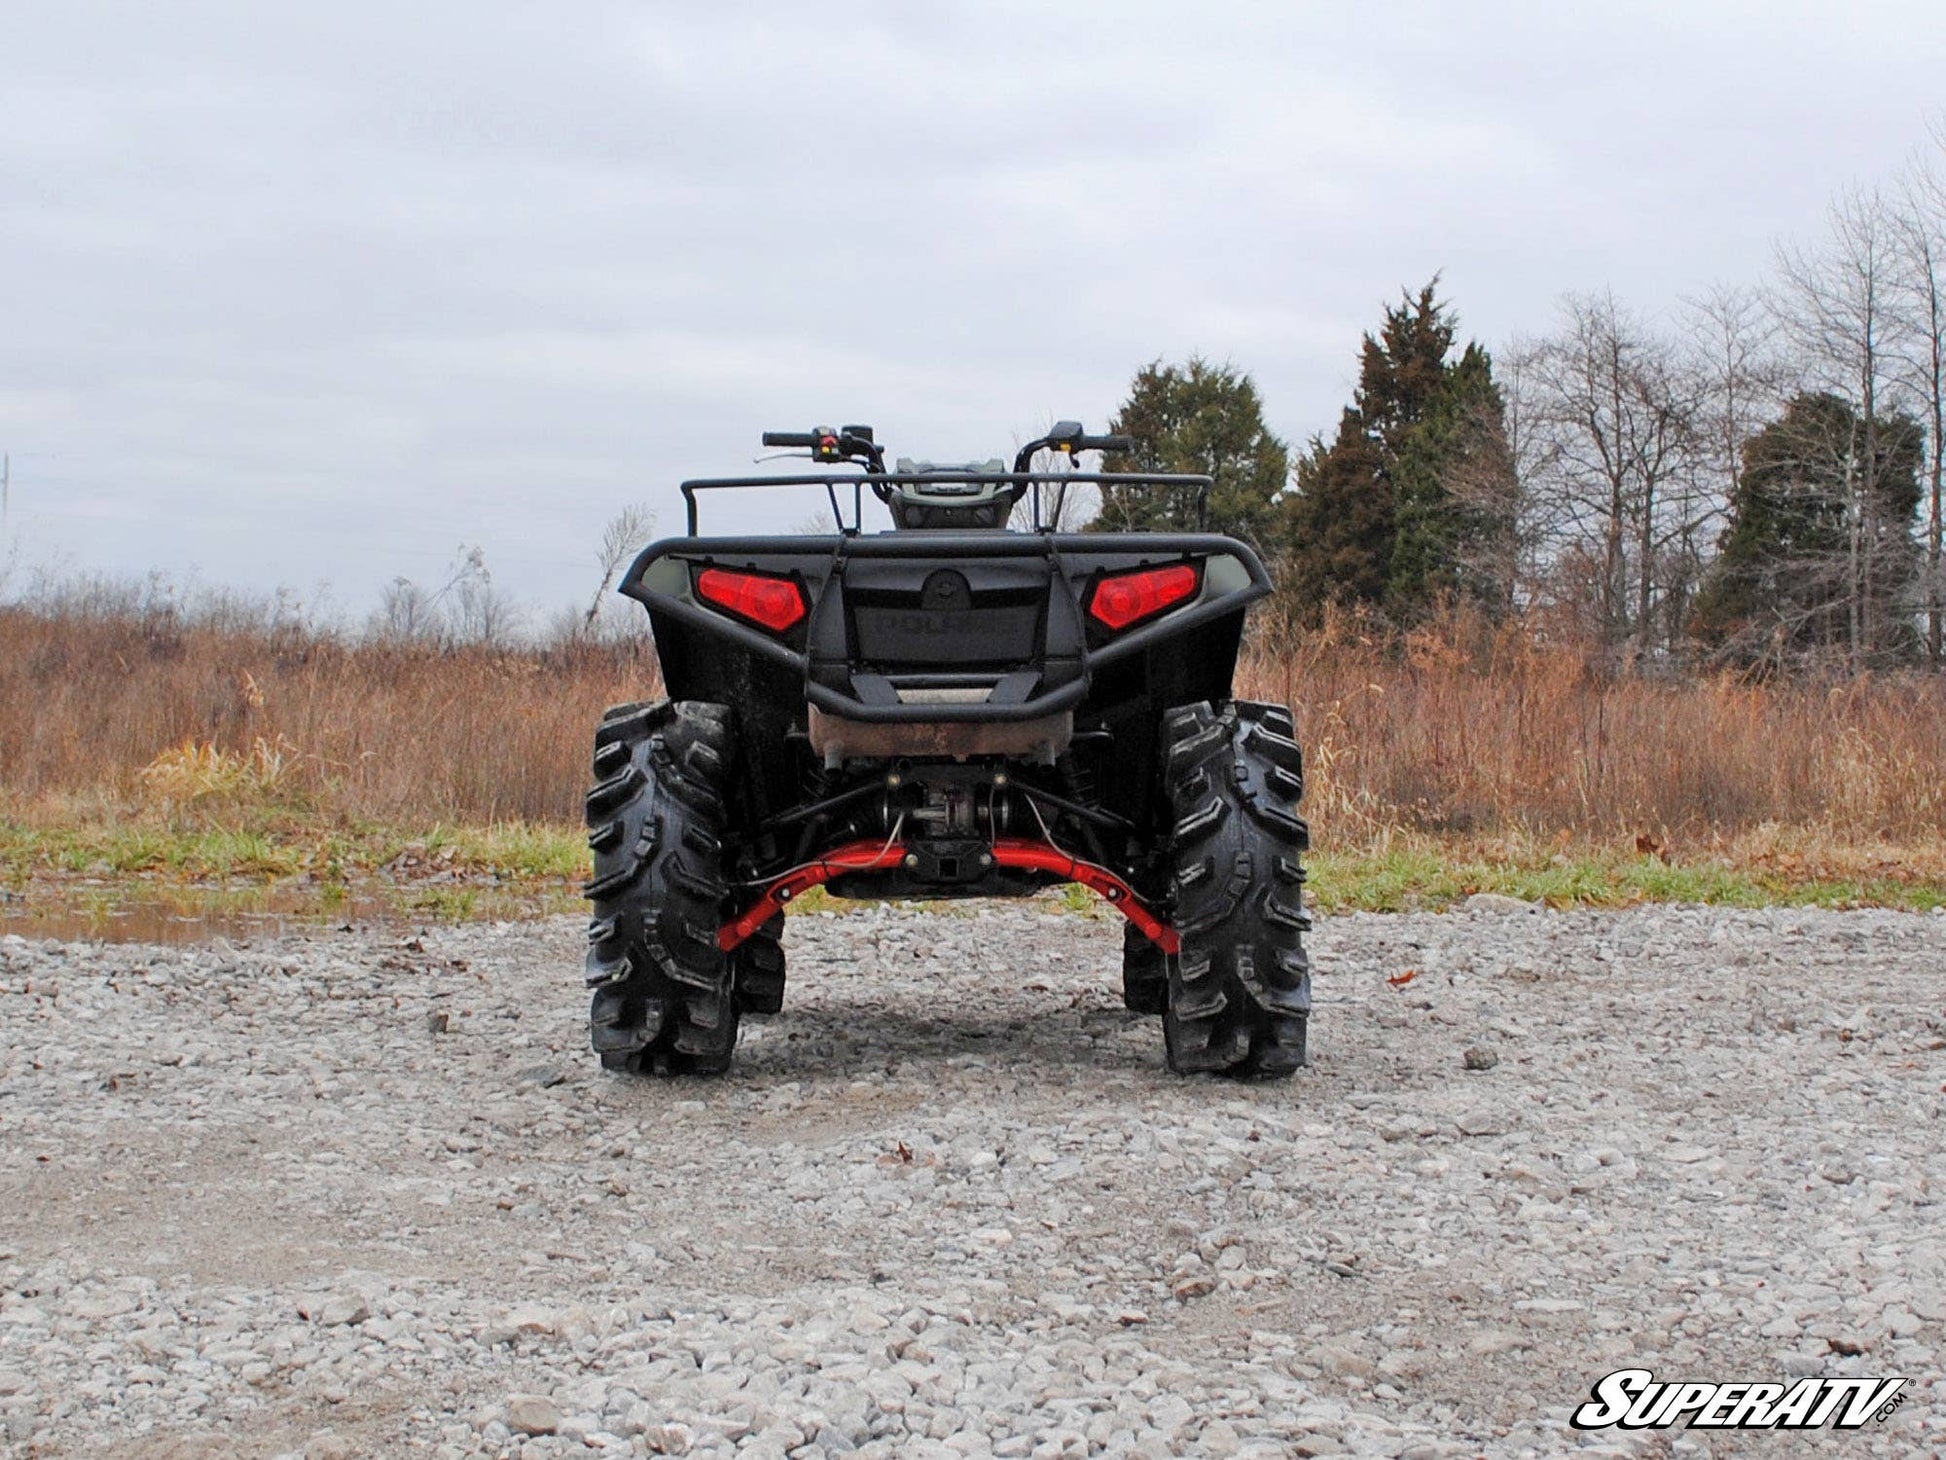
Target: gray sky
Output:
[{"x": 292, "y": 295}]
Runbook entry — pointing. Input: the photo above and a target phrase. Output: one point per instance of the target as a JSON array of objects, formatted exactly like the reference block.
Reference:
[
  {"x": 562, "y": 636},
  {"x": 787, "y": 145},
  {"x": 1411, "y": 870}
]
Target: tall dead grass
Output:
[
  {"x": 1463, "y": 728},
  {"x": 392, "y": 733},
  {"x": 1482, "y": 730}
]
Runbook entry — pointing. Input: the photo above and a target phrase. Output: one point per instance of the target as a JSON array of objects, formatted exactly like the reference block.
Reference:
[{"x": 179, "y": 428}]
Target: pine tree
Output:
[
  {"x": 1454, "y": 486},
  {"x": 1412, "y": 500},
  {"x": 1342, "y": 519},
  {"x": 1806, "y": 553},
  {"x": 1196, "y": 418}
]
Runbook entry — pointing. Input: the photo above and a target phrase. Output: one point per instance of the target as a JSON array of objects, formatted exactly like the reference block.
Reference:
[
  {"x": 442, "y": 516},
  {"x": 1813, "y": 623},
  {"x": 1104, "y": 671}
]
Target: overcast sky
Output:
[{"x": 292, "y": 295}]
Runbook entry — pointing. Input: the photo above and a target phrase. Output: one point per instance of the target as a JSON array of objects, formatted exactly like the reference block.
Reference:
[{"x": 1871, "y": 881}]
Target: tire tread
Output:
[
  {"x": 1238, "y": 995},
  {"x": 664, "y": 995}
]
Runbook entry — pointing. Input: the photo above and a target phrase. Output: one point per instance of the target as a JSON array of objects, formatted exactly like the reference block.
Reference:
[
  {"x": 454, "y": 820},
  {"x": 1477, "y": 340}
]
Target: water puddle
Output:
[
  {"x": 180, "y": 920},
  {"x": 146, "y": 912}
]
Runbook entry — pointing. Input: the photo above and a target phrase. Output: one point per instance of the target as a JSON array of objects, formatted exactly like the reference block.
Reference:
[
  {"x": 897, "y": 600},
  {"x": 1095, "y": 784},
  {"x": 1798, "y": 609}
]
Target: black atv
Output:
[{"x": 954, "y": 708}]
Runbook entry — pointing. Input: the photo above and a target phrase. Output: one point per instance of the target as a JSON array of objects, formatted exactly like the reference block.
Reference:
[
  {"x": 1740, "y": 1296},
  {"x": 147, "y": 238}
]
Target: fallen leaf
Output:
[{"x": 1400, "y": 980}]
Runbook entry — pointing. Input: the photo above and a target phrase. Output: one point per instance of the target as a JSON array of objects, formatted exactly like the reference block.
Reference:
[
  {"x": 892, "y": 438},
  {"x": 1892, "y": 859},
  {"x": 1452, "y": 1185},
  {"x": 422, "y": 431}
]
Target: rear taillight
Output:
[
  {"x": 776, "y": 603},
  {"x": 1128, "y": 598}
]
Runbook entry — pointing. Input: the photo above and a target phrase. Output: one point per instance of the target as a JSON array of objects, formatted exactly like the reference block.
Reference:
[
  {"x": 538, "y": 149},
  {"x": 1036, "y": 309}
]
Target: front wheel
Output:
[
  {"x": 664, "y": 995},
  {"x": 1239, "y": 992}
]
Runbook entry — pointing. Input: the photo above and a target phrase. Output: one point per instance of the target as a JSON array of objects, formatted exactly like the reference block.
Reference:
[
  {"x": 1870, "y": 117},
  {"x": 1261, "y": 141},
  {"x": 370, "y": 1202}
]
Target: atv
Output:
[{"x": 970, "y": 704}]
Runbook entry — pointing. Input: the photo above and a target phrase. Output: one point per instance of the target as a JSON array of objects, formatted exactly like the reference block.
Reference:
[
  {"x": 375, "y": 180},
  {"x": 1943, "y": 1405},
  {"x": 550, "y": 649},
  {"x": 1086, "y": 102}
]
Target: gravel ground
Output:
[{"x": 363, "y": 1194}]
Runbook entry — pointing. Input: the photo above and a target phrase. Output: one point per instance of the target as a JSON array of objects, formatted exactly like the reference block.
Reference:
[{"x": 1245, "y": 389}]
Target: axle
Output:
[{"x": 1017, "y": 852}]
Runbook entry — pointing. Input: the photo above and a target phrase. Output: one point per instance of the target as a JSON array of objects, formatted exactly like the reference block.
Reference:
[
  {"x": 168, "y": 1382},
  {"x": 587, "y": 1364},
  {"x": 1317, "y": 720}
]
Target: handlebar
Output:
[
  {"x": 1068, "y": 436},
  {"x": 834, "y": 443},
  {"x": 856, "y": 444}
]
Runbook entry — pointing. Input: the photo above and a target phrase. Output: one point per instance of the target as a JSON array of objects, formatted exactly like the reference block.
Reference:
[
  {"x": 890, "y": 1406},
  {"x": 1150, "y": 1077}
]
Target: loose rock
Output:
[
  {"x": 951, "y": 1204},
  {"x": 532, "y": 1414}
]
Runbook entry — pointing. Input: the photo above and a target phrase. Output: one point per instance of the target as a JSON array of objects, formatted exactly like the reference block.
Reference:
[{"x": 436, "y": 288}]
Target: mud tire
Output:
[
  {"x": 760, "y": 970},
  {"x": 1239, "y": 992},
  {"x": 664, "y": 995},
  {"x": 1145, "y": 974}
]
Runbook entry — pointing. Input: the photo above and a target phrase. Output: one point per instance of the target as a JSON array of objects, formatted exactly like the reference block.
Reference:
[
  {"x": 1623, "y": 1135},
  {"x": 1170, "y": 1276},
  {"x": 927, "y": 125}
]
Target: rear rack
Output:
[{"x": 1033, "y": 481}]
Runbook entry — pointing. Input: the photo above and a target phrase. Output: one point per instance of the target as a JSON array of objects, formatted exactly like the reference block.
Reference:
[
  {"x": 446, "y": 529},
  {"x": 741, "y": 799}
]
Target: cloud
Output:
[{"x": 321, "y": 292}]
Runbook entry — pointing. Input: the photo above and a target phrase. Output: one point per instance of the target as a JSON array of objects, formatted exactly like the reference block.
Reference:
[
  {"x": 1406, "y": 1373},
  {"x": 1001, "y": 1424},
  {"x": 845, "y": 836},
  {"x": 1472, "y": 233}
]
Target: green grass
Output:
[
  {"x": 1428, "y": 876},
  {"x": 1078, "y": 899},
  {"x": 272, "y": 850},
  {"x": 87, "y": 876},
  {"x": 308, "y": 863}
]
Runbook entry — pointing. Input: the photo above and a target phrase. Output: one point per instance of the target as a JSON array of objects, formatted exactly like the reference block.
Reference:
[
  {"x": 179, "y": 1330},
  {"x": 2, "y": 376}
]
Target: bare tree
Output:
[
  {"x": 1921, "y": 239},
  {"x": 407, "y": 614},
  {"x": 1839, "y": 312},
  {"x": 1729, "y": 337},
  {"x": 1064, "y": 506},
  {"x": 626, "y": 534},
  {"x": 1531, "y": 454},
  {"x": 1613, "y": 416},
  {"x": 465, "y": 608},
  {"x": 480, "y": 612}
]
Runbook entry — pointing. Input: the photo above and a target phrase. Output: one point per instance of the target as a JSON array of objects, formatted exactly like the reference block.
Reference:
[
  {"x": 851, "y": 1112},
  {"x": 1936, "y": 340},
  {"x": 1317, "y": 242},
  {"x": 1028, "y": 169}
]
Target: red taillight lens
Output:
[
  {"x": 1128, "y": 598},
  {"x": 776, "y": 603}
]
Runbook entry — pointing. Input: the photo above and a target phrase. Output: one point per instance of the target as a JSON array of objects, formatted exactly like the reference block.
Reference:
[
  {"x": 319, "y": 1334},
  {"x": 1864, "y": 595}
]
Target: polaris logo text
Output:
[{"x": 1635, "y": 1399}]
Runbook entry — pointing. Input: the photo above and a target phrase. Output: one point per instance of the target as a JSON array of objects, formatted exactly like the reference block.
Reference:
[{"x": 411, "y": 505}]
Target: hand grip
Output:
[
  {"x": 1122, "y": 445},
  {"x": 790, "y": 438}
]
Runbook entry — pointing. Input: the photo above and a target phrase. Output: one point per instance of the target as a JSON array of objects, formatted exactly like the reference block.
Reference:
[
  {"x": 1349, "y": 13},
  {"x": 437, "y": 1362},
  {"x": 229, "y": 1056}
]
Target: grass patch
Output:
[
  {"x": 287, "y": 861},
  {"x": 280, "y": 846},
  {"x": 140, "y": 876},
  {"x": 1426, "y": 873}
]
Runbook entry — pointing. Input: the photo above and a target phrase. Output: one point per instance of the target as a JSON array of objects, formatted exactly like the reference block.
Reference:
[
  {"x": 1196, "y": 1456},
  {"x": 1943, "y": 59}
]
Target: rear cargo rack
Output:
[{"x": 1056, "y": 484}]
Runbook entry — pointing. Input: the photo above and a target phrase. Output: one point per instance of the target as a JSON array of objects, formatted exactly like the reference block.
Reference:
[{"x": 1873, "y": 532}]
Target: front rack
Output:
[{"x": 1058, "y": 482}]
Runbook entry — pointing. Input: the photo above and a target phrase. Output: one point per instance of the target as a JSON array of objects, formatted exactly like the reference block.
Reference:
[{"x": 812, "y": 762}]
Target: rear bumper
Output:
[{"x": 825, "y": 654}]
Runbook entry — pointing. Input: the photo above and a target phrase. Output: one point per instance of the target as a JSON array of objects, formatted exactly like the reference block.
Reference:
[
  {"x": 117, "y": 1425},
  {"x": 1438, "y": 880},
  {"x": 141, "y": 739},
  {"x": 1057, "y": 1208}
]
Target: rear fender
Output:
[{"x": 1011, "y": 642}]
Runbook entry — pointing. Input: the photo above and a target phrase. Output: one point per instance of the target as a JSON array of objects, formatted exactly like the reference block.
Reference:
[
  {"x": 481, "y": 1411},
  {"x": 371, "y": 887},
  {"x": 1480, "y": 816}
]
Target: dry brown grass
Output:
[
  {"x": 1480, "y": 731},
  {"x": 398, "y": 734},
  {"x": 1464, "y": 731}
]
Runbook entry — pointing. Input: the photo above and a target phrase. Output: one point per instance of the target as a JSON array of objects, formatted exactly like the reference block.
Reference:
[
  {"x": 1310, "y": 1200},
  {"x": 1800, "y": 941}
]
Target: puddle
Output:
[
  {"x": 188, "y": 919},
  {"x": 107, "y": 912}
]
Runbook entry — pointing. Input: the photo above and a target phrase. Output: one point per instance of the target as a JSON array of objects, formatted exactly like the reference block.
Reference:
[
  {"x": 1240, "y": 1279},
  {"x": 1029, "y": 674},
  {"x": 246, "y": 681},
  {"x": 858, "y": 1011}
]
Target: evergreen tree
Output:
[
  {"x": 1342, "y": 521},
  {"x": 1454, "y": 484},
  {"x": 1819, "y": 545},
  {"x": 1412, "y": 500},
  {"x": 1195, "y": 418}
]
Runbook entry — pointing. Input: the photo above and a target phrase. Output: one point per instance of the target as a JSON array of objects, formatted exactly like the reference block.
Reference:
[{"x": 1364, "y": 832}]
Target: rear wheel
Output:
[
  {"x": 1145, "y": 974},
  {"x": 1239, "y": 992},
  {"x": 664, "y": 994},
  {"x": 759, "y": 964}
]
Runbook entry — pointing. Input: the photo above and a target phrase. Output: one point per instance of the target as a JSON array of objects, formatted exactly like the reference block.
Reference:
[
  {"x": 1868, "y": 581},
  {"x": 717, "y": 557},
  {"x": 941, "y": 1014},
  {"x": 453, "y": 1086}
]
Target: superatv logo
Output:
[{"x": 1635, "y": 1399}]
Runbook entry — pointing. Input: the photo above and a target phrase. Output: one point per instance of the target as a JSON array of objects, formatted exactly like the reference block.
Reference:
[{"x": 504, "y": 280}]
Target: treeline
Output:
[
  {"x": 1754, "y": 481},
  {"x": 469, "y": 609}
]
